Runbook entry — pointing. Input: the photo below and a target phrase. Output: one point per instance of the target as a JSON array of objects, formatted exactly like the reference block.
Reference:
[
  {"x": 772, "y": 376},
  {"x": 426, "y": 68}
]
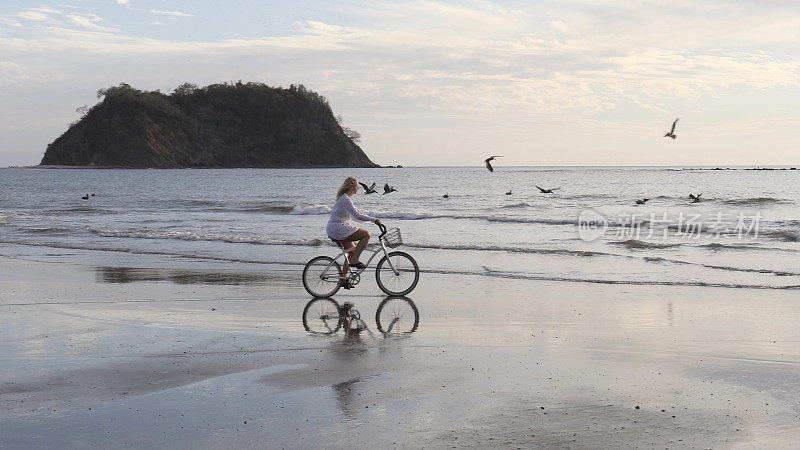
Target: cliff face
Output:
[{"x": 222, "y": 125}]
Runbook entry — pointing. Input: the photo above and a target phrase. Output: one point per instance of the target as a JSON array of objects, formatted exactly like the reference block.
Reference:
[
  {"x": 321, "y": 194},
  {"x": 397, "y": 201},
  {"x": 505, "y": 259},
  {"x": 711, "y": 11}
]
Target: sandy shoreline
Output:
[{"x": 140, "y": 351}]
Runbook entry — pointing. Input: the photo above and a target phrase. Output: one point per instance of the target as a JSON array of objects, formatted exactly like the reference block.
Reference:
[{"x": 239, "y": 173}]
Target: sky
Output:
[{"x": 562, "y": 82}]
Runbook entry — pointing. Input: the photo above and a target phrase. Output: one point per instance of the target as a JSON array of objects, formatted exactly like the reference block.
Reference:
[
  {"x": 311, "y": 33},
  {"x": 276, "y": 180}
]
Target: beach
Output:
[{"x": 146, "y": 350}]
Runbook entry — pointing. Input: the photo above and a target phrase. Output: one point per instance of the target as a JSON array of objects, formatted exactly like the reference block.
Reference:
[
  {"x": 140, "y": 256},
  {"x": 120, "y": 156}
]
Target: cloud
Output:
[
  {"x": 171, "y": 13},
  {"x": 45, "y": 10},
  {"x": 123, "y": 2},
  {"x": 9, "y": 22},
  {"x": 559, "y": 26},
  {"x": 89, "y": 22},
  {"x": 35, "y": 16}
]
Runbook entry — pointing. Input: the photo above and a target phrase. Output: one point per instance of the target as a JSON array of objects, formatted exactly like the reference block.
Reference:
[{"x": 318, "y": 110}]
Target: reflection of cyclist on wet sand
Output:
[
  {"x": 342, "y": 231},
  {"x": 395, "y": 316},
  {"x": 351, "y": 320}
]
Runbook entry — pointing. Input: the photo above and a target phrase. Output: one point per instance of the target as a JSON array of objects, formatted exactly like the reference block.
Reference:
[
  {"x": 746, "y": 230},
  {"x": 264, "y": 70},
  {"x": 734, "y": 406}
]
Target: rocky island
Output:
[{"x": 221, "y": 125}]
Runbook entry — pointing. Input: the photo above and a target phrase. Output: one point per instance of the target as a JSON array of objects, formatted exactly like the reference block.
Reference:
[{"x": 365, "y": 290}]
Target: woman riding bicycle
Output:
[{"x": 340, "y": 228}]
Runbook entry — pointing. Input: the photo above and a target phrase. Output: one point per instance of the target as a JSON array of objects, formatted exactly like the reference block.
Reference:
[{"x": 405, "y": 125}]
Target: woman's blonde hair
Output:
[{"x": 349, "y": 182}]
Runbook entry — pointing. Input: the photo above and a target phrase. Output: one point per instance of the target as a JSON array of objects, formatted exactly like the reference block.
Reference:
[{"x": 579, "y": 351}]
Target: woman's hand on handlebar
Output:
[{"x": 377, "y": 221}]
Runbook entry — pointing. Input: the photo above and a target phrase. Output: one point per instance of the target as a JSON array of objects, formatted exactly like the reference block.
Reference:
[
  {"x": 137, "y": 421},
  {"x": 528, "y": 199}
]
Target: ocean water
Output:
[{"x": 743, "y": 234}]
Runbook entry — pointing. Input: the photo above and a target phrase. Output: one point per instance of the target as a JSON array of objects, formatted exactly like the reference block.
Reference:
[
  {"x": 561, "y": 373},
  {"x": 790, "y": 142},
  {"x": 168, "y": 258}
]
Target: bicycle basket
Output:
[{"x": 393, "y": 237}]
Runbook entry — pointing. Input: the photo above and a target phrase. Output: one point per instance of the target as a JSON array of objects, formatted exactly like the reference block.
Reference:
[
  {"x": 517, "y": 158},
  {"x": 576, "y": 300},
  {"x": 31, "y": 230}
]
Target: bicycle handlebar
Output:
[{"x": 383, "y": 229}]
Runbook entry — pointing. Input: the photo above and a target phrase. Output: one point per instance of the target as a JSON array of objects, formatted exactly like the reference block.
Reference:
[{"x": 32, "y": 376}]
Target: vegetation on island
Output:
[{"x": 220, "y": 125}]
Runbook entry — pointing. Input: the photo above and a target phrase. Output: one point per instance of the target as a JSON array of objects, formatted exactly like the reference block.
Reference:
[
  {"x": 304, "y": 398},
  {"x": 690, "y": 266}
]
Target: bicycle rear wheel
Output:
[
  {"x": 321, "y": 316},
  {"x": 322, "y": 276},
  {"x": 401, "y": 282}
]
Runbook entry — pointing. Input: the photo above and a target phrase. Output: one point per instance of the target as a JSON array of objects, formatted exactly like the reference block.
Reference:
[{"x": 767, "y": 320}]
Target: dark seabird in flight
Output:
[
  {"x": 672, "y": 131},
  {"x": 488, "y": 165},
  {"x": 544, "y": 191},
  {"x": 695, "y": 198},
  {"x": 387, "y": 189},
  {"x": 368, "y": 189},
  {"x": 642, "y": 201}
]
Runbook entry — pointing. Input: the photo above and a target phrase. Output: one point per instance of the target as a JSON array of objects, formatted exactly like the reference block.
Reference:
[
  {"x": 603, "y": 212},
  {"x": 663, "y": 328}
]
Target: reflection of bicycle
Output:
[
  {"x": 395, "y": 316},
  {"x": 397, "y": 273}
]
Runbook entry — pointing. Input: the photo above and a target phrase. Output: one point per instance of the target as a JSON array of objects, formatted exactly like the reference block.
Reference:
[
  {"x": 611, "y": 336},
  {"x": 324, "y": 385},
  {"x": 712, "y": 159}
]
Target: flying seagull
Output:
[
  {"x": 387, "y": 189},
  {"x": 695, "y": 198},
  {"x": 672, "y": 131},
  {"x": 368, "y": 189},
  {"x": 642, "y": 201},
  {"x": 488, "y": 165},
  {"x": 544, "y": 191}
]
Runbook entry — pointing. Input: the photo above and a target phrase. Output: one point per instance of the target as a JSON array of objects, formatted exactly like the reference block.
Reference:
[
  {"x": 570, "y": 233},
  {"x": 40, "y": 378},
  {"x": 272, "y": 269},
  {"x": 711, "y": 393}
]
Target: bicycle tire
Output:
[
  {"x": 397, "y": 320},
  {"x": 312, "y": 277},
  {"x": 324, "y": 312},
  {"x": 400, "y": 283}
]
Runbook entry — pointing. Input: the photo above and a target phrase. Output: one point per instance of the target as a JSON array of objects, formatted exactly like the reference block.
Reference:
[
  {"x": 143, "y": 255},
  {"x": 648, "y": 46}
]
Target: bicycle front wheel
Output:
[
  {"x": 397, "y": 315},
  {"x": 322, "y": 276},
  {"x": 321, "y": 316},
  {"x": 400, "y": 277}
]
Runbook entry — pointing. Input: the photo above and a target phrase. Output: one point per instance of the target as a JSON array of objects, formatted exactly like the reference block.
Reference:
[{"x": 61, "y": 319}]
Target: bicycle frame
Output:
[{"x": 358, "y": 272}]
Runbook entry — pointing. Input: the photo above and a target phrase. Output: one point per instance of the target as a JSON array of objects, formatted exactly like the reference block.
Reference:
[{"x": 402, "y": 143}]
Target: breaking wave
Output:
[
  {"x": 250, "y": 207},
  {"x": 784, "y": 235},
  {"x": 756, "y": 201},
  {"x": 635, "y": 244},
  {"x": 781, "y": 273},
  {"x": 528, "y": 276},
  {"x": 496, "y": 248},
  {"x": 308, "y": 209},
  {"x": 489, "y": 218},
  {"x": 193, "y": 236}
]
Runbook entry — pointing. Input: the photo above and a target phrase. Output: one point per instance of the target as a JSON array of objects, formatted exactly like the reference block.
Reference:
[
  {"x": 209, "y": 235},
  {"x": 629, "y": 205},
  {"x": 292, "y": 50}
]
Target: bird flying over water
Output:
[
  {"x": 642, "y": 201},
  {"x": 488, "y": 165},
  {"x": 672, "y": 131},
  {"x": 544, "y": 191},
  {"x": 446, "y": 195},
  {"x": 368, "y": 189},
  {"x": 509, "y": 192},
  {"x": 695, "y": 198},
  {"x": 387, "y": 189}
]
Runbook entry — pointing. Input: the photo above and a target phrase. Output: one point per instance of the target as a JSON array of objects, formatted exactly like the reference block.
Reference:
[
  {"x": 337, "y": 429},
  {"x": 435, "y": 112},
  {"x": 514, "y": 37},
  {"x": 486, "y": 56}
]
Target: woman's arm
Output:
[{"x": 348, "y": 204}]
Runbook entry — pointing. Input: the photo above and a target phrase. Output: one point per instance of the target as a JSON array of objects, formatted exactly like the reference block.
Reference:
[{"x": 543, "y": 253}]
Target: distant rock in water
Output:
[{"x": 221, "y": 125}]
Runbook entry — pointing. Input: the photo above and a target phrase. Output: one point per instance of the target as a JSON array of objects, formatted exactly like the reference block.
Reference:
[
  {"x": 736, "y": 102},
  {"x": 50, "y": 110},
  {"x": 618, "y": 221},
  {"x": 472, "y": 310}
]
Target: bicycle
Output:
[
  {"x": 396, "y": 315},
  {"x": 397, "y": 273}
]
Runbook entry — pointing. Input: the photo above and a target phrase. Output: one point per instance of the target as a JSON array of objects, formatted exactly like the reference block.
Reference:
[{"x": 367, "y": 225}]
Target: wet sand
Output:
[{"x": 144, "y": 351}]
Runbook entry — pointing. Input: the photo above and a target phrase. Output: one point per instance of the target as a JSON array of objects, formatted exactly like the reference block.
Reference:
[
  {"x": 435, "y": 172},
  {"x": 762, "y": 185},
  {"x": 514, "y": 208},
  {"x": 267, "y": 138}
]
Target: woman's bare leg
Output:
[
  {"x": 362, "y": 236},
  {"x": 347, "y": 246}
]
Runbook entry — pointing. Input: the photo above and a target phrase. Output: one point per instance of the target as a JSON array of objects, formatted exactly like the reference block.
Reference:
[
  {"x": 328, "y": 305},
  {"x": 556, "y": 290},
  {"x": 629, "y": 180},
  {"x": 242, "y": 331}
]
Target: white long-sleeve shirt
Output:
[{"x": 340, "y": 225}]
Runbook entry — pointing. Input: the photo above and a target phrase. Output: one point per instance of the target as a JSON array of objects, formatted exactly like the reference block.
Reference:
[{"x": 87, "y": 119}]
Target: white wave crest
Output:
[
  {"x": 306, "y": 209},
  {"x": 194, "y": 236}
]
